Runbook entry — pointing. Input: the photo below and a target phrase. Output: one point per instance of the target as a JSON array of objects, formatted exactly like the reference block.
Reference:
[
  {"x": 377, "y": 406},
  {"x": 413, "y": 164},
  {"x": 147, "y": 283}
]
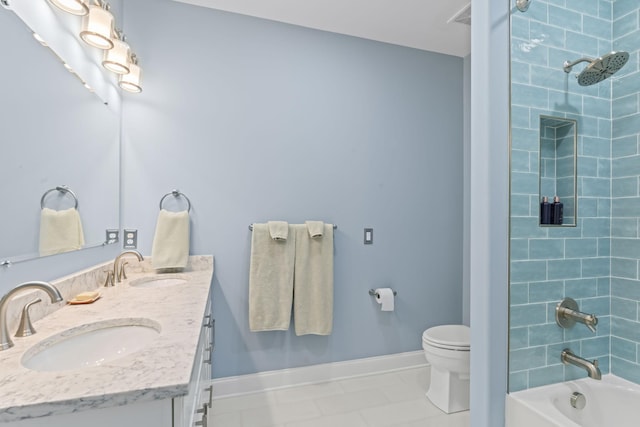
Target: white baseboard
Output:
[{"x": 271, "y": 380}]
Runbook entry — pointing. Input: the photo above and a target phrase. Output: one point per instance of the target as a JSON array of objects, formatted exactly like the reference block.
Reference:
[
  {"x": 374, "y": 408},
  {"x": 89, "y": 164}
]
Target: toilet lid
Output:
[{"x": 448, "y": 336}]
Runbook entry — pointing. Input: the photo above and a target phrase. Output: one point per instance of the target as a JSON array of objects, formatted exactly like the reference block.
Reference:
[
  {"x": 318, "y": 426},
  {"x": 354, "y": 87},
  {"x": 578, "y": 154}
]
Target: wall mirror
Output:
[
  {"x": 558, "y": 149},
  {"x": 54, "y": 132}
]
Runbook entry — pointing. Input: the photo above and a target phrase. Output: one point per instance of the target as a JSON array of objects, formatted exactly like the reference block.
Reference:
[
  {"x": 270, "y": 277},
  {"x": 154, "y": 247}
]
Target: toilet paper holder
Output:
[{"x": 373, "y": 293}]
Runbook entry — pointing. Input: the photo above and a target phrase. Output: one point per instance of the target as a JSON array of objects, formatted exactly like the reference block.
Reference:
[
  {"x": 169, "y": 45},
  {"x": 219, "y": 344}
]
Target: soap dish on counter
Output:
[{"x": 85, "y": 299}]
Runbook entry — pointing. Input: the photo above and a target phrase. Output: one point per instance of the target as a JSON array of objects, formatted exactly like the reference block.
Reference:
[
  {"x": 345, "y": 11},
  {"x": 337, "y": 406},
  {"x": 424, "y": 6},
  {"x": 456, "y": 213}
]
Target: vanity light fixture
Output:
[
  {"x": 131, "y": 82},
  {"x": 74, "y": 7},
  {"x": 117, "y": 59},
  {"x": 97, "y": 26},
  {"x": 99, "y": 30}
]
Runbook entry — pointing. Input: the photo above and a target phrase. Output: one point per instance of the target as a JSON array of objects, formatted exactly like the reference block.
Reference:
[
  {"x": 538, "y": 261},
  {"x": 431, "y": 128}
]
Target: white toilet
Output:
[{"x": 447, "y": 348}]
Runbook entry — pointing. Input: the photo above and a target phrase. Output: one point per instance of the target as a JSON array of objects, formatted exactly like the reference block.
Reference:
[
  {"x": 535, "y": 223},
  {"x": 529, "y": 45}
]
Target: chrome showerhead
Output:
[{"x": 599, "y": 68}]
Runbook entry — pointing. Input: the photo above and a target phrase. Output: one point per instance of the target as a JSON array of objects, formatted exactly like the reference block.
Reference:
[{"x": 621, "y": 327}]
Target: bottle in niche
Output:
[
  {"x": 545, "y": 211},
  {"x": 557, "y": 211}
]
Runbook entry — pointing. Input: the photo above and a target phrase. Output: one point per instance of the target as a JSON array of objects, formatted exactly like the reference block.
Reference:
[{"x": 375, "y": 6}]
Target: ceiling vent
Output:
[{"x": 463, "y": 16}]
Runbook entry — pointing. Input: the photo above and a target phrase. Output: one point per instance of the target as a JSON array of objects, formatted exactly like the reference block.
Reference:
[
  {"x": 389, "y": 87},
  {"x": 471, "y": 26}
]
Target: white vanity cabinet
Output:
[{"x": 191, "y": 410}]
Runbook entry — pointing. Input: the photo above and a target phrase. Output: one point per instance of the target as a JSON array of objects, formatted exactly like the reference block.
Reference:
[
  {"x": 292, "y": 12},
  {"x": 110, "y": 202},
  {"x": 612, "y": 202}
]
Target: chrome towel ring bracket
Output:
[
  {"x": 62, "y": 189},
  {"x": 177, "y": 193}
]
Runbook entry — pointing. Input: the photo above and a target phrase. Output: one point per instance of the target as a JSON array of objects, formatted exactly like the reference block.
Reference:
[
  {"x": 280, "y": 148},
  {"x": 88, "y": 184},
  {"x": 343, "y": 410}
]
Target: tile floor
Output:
[{"x": 391, "y": 399}]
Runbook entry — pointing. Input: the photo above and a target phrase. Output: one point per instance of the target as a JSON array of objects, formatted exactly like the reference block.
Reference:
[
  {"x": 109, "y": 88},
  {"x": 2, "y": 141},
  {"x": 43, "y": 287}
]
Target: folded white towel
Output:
[
  {"x": 315, "y": 228},
  {"x": 171, "y": 241},
  {"x": 270, "y": 281},
  {"x": 60, "y": 231},
  {"x": 313, "y": 282},
  {"x": 279, "y": 230}
]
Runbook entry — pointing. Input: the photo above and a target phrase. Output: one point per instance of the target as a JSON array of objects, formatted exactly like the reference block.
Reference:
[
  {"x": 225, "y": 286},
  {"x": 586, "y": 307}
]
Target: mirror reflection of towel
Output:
[
  {"x": 171, "y": 241},
  {"x": 60, "y": 231}
]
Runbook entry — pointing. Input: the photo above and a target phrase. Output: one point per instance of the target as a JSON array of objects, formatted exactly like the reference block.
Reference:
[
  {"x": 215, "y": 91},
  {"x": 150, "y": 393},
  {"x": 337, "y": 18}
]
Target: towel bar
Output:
[
  {"x": 176, "y": 193},
  {"x": 335, "y": 227},
  {"x": 373, "y": 293},
  {"x": 62, "y": 189}
]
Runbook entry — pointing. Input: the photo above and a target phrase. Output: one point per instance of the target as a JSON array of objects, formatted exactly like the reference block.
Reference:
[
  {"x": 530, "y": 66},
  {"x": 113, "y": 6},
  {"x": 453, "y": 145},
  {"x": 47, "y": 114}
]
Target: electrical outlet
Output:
[
  {"x": 112, "y": 237},
  {"x": 130, "y": 239}
]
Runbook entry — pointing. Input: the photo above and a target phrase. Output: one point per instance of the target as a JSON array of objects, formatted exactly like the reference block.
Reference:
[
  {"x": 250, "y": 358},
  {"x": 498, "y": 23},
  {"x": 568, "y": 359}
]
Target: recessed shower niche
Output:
[{"x": 558, "y": 148}]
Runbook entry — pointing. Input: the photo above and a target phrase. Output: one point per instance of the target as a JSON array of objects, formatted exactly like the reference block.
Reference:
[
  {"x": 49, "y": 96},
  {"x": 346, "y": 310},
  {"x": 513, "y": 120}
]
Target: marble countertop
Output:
[{"x": 160, "y": 371}]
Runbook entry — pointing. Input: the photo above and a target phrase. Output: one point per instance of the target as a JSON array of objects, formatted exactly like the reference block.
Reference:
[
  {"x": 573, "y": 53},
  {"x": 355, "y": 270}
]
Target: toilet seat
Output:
[{"x": 448, "y": 337}]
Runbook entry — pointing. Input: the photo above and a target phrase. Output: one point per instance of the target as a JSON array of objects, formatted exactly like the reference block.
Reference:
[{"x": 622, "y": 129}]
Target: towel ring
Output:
[
  {"x": 176, "y": 193},
  {"x": 62, "y": 189}
]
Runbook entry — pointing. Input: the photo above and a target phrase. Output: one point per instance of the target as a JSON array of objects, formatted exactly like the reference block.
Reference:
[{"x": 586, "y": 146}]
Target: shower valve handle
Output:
[{"x": 567, "y": 314}]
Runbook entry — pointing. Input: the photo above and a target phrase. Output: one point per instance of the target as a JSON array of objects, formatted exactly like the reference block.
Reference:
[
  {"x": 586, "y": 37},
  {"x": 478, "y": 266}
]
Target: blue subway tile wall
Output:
[
  {"x": 549, "y": 263},
  {"x": 625, "y": 236},
  {"x": 598, "y": 261}
]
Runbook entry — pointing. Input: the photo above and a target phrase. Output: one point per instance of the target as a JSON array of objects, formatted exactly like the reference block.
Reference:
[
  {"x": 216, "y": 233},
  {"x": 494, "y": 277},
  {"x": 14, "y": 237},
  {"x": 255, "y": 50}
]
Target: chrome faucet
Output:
[
  {"x": 52, "y": 291},
  {"x": 568, "y": 358},
  {"x": 118, "y": 268}
]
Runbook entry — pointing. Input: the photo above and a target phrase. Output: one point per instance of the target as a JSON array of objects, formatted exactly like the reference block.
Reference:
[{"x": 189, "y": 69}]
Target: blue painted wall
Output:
[
  {"x": 625, "y": 242},
  {"x": 256, "y": 120},
  {"x": 597, "y": 262}
]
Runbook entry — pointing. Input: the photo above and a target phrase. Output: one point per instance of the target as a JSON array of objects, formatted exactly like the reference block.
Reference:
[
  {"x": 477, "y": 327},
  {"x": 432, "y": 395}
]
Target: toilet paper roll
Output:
[{"x": 384, "y": 297}]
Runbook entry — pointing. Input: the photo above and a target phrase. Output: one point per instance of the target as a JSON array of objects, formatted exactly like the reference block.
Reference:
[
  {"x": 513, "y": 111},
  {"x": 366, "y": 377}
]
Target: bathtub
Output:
[{"x": 609, "y": 402}]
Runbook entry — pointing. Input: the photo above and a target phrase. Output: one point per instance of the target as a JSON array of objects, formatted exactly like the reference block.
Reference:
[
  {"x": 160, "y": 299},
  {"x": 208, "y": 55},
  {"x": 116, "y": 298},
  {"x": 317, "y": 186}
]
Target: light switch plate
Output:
[{"x": 368, "y": 236}]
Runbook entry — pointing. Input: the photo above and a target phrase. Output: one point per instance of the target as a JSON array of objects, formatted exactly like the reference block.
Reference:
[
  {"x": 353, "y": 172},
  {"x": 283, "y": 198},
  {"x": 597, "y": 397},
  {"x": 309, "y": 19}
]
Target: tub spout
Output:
[{"x": 568, "y": 358}]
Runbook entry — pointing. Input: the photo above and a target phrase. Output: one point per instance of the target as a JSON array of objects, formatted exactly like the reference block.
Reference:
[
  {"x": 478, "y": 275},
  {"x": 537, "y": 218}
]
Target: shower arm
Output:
[
  {"x": 523, "y": 5},
  {"x": 567, "y": 66}
]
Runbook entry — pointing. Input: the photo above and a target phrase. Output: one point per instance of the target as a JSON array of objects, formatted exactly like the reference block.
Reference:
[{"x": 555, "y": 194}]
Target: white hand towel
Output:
[
  {"x": 279, "y": 230},
  {"x": 171, "y": 241},
  {"x": 60, "y": 231},
  {"x": 315, "y": 228},
  {"x": 313, "y": 282},
  {"x": 270, "y": 281}
]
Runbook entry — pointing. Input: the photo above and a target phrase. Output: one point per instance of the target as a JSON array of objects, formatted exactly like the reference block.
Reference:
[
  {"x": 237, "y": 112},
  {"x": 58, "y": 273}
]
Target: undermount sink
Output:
[
  {"x": 158, "y": 281},
  {"x": 91, "y": 345}
]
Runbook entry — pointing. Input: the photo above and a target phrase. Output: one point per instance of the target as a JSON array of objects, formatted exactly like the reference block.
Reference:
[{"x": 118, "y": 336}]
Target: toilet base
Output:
[{"x": 449, "y": 391}]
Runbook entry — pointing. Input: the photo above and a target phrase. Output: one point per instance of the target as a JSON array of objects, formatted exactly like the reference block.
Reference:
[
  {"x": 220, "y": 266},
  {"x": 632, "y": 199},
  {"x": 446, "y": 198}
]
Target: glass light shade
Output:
[
  {"x": 131, "y": 82},
  {"x": 117, "y": 59},
  {"x": 74, "y": 7},
  {"x": 97, "y": 28}
]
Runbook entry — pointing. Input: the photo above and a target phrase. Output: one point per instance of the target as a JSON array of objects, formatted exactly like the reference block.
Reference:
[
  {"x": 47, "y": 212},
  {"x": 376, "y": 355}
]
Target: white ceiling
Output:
[{"x": 421, "y": 24}]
